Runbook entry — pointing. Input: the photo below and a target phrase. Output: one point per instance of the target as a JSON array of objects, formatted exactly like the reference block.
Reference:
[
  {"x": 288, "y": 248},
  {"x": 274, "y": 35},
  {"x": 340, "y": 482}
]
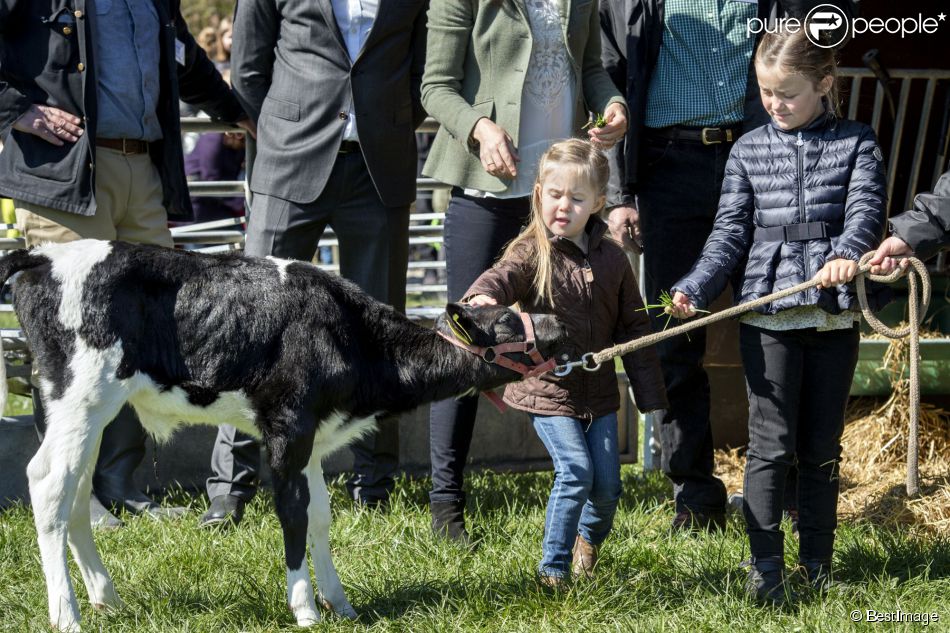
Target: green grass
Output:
[
  {"x": 16, "y": 405},
  {"x": 175, "y": 577}
]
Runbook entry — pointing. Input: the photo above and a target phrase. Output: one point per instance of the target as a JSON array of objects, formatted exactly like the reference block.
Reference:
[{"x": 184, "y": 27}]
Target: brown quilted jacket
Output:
[{"x": 598, "y": 300}]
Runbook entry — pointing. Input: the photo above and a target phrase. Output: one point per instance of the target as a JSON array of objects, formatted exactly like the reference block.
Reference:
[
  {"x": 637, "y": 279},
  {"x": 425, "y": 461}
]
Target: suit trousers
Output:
[
  {"x": 374, "y": 253},
  {"x": 129, "y": 208},
  {"x": 476, "y": 231},
  {"x": 678, "y": 197}
]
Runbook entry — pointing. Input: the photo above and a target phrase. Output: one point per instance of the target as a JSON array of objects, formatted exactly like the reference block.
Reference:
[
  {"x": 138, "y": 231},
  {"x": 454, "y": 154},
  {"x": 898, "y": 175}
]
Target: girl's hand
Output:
[
  {"x": 481, "y": 300},
  {"x": 613, "y": 130},
  {"x": 836, "y": 272},
  {"x": 495, "y": 149},
  {"x": 682, "y": 307}
]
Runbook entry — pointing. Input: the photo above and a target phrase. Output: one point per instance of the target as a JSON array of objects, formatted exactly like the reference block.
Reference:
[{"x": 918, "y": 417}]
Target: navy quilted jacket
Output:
[{"x": 831, "y": 171}]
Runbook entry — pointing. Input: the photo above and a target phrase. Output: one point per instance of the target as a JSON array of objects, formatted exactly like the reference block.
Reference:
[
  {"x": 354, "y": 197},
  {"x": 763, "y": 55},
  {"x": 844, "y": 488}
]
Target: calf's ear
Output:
[{"x": 460, "y": 324}]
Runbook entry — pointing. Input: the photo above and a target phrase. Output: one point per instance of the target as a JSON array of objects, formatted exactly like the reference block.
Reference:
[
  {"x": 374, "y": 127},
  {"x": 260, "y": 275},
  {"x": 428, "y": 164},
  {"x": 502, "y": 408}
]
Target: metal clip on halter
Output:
[{"x": 586, "y": 361}]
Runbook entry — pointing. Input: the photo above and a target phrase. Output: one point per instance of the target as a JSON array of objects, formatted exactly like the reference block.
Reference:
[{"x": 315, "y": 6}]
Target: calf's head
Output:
[{"x": 487, "y": 327}]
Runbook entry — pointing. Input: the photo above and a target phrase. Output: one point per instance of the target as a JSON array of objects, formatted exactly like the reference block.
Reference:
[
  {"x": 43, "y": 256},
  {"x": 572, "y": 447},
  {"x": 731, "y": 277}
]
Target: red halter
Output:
[{"x": 496, "y": 354}]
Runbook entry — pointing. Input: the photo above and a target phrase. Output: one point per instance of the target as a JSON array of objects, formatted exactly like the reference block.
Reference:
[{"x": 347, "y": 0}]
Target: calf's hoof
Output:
[
  {"x": 340, "y": 607},
  {"x": 114, "y": 603},
  {"x": 307, "y": 617},
  {"x": 66, "y": 626}
]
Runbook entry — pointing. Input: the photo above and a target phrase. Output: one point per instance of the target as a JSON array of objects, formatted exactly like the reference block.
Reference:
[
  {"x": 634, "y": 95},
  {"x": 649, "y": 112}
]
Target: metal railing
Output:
[{"x": 921, "y": 177}]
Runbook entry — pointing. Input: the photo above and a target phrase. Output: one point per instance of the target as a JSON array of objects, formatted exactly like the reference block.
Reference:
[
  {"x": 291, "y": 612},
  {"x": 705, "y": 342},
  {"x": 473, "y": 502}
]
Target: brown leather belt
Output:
[
  {"x": 704, "y": 135},
  {"x": 349, "y": 147},
  {"x": 124, "y": 145}
]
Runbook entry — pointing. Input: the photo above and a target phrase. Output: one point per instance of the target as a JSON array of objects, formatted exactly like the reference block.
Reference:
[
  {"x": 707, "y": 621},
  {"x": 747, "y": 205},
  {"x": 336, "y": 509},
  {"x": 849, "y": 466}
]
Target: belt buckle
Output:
[
  {"x": 707, "y": 141},
  {"x": 125, "y": 148}
]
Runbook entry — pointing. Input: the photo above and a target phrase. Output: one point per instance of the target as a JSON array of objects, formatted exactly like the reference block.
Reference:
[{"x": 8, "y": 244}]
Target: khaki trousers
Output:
[{"x": 129, "y": 207}]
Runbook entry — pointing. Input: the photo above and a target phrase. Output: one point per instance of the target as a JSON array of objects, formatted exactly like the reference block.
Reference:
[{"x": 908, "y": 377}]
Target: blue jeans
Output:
[{"x": 586, "y": 485}]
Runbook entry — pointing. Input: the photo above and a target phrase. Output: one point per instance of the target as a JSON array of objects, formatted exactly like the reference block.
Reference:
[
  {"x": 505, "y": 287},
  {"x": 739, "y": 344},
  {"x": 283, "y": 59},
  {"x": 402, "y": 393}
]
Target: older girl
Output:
[{"x": 803, "y": 198}]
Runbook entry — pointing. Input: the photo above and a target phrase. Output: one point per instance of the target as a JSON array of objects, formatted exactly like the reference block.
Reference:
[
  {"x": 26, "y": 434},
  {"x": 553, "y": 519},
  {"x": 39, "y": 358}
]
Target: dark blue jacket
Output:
[
  {"x": 46, "y": 57},
  {"x": 832, "y": 171}
]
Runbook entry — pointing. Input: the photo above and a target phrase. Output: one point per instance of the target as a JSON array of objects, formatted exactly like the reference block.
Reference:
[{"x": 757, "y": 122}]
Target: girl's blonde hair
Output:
[
  {"x": 588, "y": 162},
  {"x": 794, "y": 53}
]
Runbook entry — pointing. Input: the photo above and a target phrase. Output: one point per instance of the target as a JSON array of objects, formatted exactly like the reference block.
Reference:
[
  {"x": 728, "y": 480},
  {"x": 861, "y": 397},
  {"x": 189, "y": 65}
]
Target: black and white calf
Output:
[{"x": 281, "y": 350}]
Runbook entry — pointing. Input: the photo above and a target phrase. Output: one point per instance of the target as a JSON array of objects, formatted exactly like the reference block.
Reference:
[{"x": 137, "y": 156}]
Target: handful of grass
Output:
[
  {"x": 597, "y": 121},
  {"x": 666, "y": 304}
]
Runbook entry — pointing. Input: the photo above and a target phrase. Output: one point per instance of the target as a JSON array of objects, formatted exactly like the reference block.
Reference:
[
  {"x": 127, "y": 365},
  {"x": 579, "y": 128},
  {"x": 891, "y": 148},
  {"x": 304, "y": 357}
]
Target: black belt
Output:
[
  {"x": 796, "y": 232},
  {"x": 704, "y": 135},
  {"x": 349, "y": 147},
  {"x": 124, "y": 145}
]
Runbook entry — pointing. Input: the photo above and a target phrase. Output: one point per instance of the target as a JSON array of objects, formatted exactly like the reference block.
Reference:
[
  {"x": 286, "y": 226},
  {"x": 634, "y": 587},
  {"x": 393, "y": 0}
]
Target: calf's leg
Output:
[
  {"x": 289, "y": 457},
  {"x": 329, "y": 586},
  {"x": 56, "y": 473},
  {"x": 99, "y": 586}
]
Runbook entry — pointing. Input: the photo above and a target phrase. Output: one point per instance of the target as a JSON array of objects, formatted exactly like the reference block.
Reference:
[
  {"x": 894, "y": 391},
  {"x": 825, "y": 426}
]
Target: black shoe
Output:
[
  {"x": 687, "y": 521},
  {"x": 792, "y": 515},
  {"x": 448, "y": 521},
  {"x": 224, "y": 511},
  {"x": 766, "y": 582},
  {"x": 816, "y": 574},
  {"x": 134, "y": 502},
  {"x": 375, "y": 504},
  {"x": 100, "y": 518}
]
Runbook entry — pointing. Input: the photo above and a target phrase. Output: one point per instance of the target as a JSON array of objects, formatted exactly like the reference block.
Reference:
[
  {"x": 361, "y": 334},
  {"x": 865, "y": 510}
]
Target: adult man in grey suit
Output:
[{"x": 334, "y": 88}]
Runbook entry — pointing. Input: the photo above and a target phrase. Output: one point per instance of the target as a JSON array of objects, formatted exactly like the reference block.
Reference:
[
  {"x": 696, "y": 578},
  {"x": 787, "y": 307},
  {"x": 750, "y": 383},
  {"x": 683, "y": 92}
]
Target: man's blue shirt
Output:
[{"x": 127, "y": 69}]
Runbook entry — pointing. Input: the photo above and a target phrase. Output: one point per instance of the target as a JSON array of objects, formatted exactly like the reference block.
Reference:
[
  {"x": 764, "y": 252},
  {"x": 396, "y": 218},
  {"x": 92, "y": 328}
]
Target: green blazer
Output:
[{"x": 476, "y": 58}]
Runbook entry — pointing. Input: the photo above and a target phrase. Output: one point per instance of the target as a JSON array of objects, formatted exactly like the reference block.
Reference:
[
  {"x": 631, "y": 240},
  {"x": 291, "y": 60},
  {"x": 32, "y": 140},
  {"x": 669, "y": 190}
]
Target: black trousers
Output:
[
  {"x": 678, "y": 196},
  {"x": 476, "y": 231},
  {"x": 798, "y": 383},
  {"x": 374, "y": 253}
]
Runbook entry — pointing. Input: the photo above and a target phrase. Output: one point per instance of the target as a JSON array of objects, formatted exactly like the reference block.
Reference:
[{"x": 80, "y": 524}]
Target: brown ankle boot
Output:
[{"x": 585, "y": 558}]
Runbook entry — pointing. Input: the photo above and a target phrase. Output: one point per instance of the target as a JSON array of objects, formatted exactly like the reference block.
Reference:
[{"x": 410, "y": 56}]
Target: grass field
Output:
[{"x": 175, "y": 577}]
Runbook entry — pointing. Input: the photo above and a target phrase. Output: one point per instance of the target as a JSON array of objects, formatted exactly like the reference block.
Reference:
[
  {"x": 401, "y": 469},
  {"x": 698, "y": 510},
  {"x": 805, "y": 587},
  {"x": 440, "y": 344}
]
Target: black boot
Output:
[
  {"x": 113, "y": 482},
  {"x": 448, "y": 521},
  {"x": 817, "y": 574},
  {"x": 766, "y": 582}
]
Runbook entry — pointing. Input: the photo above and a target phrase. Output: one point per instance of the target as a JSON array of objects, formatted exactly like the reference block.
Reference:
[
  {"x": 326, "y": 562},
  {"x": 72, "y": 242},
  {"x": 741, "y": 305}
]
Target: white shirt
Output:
[{"x": 355, "y": 19}]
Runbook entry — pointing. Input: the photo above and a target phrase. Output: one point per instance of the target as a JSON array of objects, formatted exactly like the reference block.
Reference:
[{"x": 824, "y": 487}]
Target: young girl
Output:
[
  {"x": 564, "y": 263},
  {"x": 803, "y": 199}
]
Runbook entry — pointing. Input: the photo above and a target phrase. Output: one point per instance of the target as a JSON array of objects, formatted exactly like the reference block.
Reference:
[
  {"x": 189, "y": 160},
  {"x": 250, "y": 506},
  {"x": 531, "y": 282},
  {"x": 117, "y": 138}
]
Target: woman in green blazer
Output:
[{"x": 505, "y": 79}]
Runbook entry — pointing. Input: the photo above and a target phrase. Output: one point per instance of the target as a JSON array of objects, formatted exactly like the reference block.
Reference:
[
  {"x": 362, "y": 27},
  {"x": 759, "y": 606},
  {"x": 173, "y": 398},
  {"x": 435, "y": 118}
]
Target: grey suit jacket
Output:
[{"x": 291, "y": 72}]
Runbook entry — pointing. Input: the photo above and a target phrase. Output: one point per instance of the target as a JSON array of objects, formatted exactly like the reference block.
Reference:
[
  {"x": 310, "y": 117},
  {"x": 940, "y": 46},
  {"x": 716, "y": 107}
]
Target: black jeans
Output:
[
  {"x": 476, "y": 231},
  {"x": 678, "y": 196},
  {"x": 798, "y": 382}
]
